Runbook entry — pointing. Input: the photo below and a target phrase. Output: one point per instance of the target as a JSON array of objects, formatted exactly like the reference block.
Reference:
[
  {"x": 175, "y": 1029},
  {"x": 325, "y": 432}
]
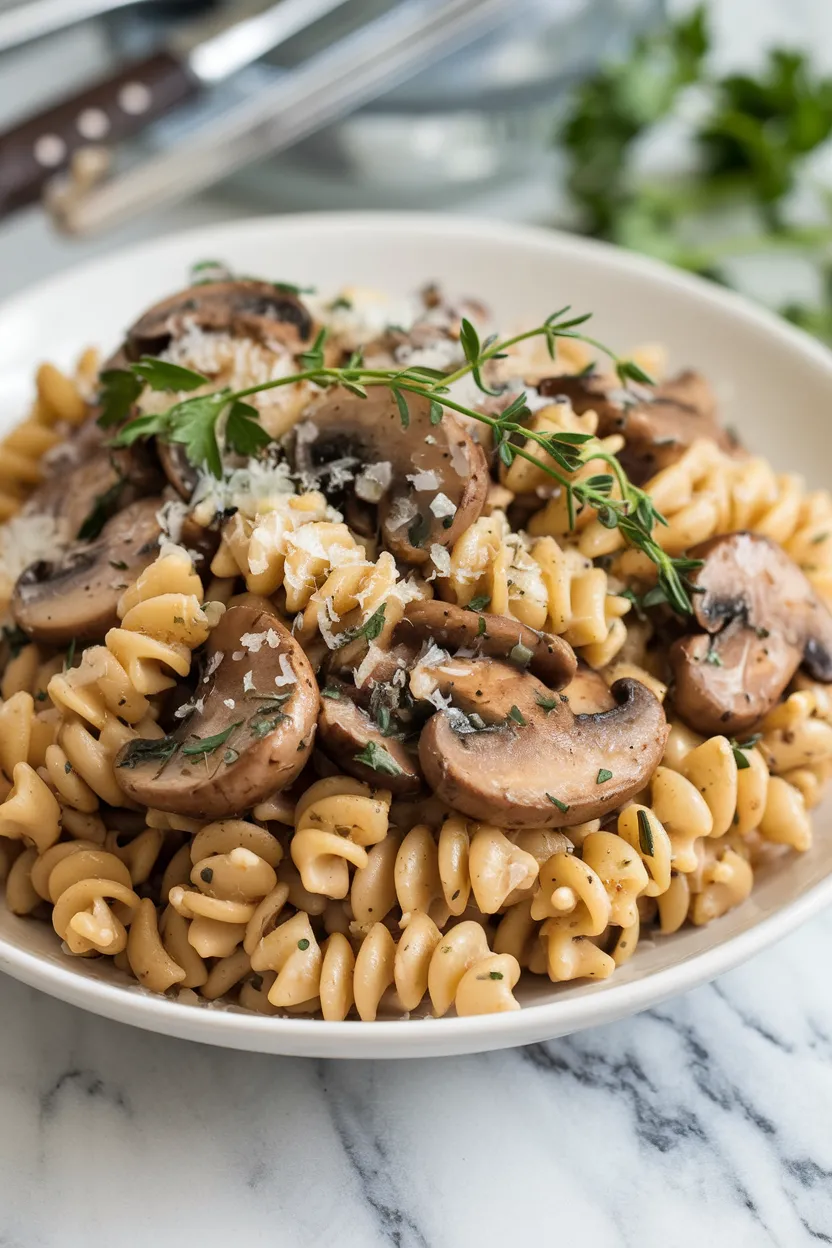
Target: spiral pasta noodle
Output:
[{"x": 540, "y": 583}]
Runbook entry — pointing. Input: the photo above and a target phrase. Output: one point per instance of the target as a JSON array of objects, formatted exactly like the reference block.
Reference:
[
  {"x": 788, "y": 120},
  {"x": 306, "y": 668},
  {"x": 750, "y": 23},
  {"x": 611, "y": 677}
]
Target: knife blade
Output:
[
  {"x": 333, "y": 83},
  {"x": 122, "y": 106}
]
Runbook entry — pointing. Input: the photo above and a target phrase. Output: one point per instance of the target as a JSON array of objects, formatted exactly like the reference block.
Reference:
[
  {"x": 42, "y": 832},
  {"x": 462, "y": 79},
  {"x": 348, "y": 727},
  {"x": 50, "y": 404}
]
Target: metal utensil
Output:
[
  {"x": 123, "y": 105},
  {"x": 38, "y": 18},
  {"x": 349, "y": 73}
]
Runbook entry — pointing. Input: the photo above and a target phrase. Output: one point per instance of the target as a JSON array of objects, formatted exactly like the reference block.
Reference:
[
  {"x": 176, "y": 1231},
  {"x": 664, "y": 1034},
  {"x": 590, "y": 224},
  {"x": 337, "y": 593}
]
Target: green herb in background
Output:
[{"x": 750, "y": 150}]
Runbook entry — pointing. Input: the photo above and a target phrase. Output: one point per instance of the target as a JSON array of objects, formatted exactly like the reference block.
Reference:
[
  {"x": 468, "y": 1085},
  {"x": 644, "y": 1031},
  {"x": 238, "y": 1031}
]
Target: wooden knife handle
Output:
[{"x": 115, "y": 108}]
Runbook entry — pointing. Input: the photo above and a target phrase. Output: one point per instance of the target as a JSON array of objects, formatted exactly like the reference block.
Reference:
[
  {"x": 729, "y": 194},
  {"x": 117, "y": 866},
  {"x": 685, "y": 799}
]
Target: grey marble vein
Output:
[{"x": 706, "y": 1121}]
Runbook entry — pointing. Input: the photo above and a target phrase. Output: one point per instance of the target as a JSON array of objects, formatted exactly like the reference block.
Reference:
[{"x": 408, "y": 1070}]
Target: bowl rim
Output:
[{"x": 595, "y": 1004}]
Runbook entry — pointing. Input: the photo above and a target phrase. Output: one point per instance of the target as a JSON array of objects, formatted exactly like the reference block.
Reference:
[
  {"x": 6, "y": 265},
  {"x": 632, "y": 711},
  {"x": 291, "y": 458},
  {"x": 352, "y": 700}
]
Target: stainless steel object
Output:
[
  {"x": 332, "y": 84},
  {"x": 38, "y": 18},
  {"x": 124, "y": 105}
]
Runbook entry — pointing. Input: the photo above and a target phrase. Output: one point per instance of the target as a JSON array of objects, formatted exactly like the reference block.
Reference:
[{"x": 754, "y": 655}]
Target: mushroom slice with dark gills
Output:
[
  {"x": 658, "y": 423},
  {"x": 76, "y": 595},
  {"x": 432, "y": 480},
  {"x": 352, "y": 738},
  {"x": 493, "y": 636},
  {"x": 250, "y": 733},
  {"x": 761, "y": 620},
  {"x": 510, "y": 751},
  {"x": 244, "y": 308}
]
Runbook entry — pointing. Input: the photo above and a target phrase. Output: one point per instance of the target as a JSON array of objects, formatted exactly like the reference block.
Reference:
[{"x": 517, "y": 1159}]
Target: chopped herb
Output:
[
  {"x": 562, "y": 806},
  {"x": 15, "y": 639},
  {"x": 230, "y": 756},
  {"x": 69, "y": 657},
  {"x": 548, "y": 704},
  {"x": 739, "y": 748},
  {"x": 479, "y": 603},
  {"x": 481, "y": 627},
  {"x": 495, "y": 974},
  {"x": 141, "y": 751},
  {"x": 303, "y": 944},
  {"x": 762, "y": 633},
  {"x": 419, "y": 531},
  {"x": 603, "y": 776},
  {"x": 447, "y": 522},
  {"x": 645, "y": 834},
  {"x": 119, "y": 564},
  {"x": 261, "y": 728},
  {"x": 404, "y": 412},
  {"x": 179, "y": 619},
  {"x": 818, "y": 538},
  {"x": 206, "y": 874},
  {"x": 521, "y": 654},
  {"x": 370, "y": 629},
  {"x": 517, "y": 715},
  {"x": 208, "y": 744},
  {"x": 101, "y": 511},
  {"x": 67, "y": 768},
  {"x": 331, "y": 692},
  {"x": 41, "y": 695},
  {"x": 435, "y": 412},
  {"x": 377, "y": 757},
  {"x": 713, "y": 658}
]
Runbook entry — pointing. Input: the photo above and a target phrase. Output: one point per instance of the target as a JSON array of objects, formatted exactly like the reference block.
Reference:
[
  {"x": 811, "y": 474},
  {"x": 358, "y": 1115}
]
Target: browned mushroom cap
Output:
[
  {"x": 537, "y": 764},
  {"x": 762, "y": 619},
  {"x": 496, "y": 636},
  {"x": 76, "y": 596},
  {"x": 444, "y": 459},
  {"x": 248, "y": 737},
  {"x": 346, "y": 729},
  {"x": 658, "y": 424},
  {"x": 246, "y": 308}
]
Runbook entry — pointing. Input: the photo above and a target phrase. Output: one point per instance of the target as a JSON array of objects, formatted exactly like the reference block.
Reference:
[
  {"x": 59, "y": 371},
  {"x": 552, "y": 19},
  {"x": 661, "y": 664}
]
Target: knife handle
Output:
[{"x": 113, "y": 109}]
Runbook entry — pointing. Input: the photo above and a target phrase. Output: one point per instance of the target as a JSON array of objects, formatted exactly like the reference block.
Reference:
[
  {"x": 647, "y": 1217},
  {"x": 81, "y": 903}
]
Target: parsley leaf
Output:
[
  {"x": 193, "y": 424},
  {"x": 162, "y": 375},
  {"x": 243, "y": 431},
  {"x": 119, "y": 391}
]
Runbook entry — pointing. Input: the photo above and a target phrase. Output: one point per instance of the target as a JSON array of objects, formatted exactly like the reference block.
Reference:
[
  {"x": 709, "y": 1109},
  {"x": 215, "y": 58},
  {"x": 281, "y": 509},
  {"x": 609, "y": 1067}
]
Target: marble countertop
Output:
[{"x": 704, "y": 1121}]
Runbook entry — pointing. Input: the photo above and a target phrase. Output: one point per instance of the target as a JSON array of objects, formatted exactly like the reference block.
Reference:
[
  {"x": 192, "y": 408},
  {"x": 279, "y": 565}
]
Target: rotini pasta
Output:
[{"x": 538, "y": 760}]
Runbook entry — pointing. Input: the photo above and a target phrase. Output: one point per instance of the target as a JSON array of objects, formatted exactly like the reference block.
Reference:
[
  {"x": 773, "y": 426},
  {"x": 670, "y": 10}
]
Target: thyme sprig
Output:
[{"x": 194, "y": 422}]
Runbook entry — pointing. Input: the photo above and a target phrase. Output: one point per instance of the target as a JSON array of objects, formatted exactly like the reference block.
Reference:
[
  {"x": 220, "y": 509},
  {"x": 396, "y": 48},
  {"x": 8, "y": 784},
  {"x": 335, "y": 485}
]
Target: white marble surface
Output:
[{"x": 703, "y": 1122}]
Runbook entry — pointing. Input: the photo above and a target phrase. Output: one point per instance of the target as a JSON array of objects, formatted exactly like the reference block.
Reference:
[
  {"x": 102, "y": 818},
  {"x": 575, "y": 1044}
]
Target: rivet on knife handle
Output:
[{"x": 114, "y": 109}]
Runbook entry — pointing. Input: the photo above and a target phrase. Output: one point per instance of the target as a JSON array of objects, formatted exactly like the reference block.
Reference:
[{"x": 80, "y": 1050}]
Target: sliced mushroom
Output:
[
  {"x": 761, "y": 619},
  {"x": 248, "y": 308},
  {"x": 658, "y": 423},
  {"x": 496, "y": 636},
  {"x": 92, "y": 479},
  {"x": 346, "y": 729},
  {"x": 536, "y": 764},
  {"x": 248, "y": 737},
  {"x": 449, "y": 467},
  {"x": 178, "y": 469},
  {"x": 76, "y": 596},
  {"x": 588, "y": 692}
]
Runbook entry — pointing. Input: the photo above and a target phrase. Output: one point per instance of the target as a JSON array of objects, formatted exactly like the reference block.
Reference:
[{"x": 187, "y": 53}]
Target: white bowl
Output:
[{"x": 776, "y": 387}]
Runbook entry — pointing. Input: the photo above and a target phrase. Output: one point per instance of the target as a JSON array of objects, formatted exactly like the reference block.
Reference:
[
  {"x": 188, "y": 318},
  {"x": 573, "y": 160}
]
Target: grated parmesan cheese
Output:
[
  {"x": 287, "y": 676},
  {"x": 442, "y": 506},
  {"x": 441, "y": 559},
  {"x": 424, "y": 480}
]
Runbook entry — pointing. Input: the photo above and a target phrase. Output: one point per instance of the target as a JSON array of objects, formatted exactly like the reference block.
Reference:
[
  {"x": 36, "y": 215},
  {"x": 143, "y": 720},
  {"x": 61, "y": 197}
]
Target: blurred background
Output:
[{"x": 698, "y": 133}]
